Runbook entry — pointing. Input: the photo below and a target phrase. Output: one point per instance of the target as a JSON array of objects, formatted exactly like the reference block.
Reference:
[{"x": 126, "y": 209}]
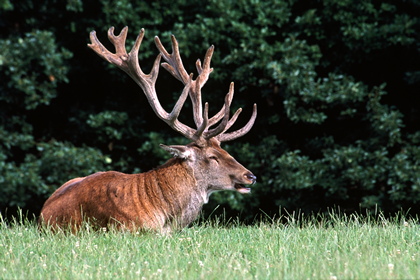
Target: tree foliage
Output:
[{"x": 336, "y": 82}]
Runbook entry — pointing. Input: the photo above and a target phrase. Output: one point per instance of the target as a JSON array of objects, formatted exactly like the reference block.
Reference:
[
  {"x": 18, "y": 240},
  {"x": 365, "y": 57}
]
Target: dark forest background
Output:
[{"x": 336, "y": 82}]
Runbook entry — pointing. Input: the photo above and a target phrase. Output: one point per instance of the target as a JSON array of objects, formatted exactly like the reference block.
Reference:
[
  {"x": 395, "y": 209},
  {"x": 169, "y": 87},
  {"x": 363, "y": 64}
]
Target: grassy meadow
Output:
[{"x": 329, "y": 247}]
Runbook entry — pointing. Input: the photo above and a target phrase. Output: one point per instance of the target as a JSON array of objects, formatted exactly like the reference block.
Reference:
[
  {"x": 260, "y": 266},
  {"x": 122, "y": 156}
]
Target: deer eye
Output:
[{"x": 214, "y": 158}]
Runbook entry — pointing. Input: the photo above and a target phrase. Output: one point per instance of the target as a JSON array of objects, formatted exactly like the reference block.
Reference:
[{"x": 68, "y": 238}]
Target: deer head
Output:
[{"x": 213, "y": 167}]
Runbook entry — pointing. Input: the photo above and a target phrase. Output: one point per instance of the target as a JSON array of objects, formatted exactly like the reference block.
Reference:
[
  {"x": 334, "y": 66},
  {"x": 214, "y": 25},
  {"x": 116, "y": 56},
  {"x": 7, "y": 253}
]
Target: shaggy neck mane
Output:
[{"x": 170, "y": 189}]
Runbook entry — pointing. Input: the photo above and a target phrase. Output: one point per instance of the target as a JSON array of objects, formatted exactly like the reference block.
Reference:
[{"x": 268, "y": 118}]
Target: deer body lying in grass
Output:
[{"x": 171, "y": 196}]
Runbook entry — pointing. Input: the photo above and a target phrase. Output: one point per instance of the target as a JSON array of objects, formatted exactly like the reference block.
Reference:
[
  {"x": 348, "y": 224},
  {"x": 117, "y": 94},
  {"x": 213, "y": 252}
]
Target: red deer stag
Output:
[{"x": 171, "y": 196}]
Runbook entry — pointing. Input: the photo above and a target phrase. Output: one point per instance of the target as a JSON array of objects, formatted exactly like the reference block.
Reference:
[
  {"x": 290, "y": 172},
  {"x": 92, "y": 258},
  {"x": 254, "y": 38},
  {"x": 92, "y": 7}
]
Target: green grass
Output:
[{"x": 331, "y": 247}]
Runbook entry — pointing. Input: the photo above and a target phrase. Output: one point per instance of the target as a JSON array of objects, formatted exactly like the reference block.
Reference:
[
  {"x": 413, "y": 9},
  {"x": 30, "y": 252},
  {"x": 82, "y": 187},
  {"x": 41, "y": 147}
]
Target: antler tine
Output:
[
  {"x": 203, "y": 75},
  {"x": 103, "y": 52},
  {"x": 181, "y": 100},
  {"x": 231, "y": 121},
  {"x": 204, "y": 125},
  {"x": 119, "y": 40},
  {"x": 173, "y": 63},
  {"x": 135, "y": 69},
  {"x": 216, "y": 118},
  {"x": 240, "y": 132},
  {"x": 204, "y": 71}
]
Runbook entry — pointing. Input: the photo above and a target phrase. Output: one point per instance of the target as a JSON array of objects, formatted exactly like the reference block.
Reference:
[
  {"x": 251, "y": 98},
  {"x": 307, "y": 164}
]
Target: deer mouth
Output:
[{"x": 242, "y": 189}]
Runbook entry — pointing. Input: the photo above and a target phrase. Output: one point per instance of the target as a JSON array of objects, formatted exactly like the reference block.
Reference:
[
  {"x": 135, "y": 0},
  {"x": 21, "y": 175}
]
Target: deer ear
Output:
[{"x": 178, "y": 151}]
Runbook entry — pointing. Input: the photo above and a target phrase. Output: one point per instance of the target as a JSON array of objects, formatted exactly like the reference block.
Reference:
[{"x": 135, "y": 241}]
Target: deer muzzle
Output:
[{"x": 249, "y": 177}]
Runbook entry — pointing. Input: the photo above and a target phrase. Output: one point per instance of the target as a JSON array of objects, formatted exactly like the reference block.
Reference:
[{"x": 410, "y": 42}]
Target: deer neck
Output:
[{"x": 180, "y": 191}]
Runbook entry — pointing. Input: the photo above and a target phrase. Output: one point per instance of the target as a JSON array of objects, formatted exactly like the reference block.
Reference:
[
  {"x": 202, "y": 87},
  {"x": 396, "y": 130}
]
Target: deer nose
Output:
[{"x": 251, "y": 177}]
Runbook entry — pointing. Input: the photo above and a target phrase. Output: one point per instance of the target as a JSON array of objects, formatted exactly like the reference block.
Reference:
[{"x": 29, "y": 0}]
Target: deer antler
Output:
[{"x": 129, "y": 63}]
